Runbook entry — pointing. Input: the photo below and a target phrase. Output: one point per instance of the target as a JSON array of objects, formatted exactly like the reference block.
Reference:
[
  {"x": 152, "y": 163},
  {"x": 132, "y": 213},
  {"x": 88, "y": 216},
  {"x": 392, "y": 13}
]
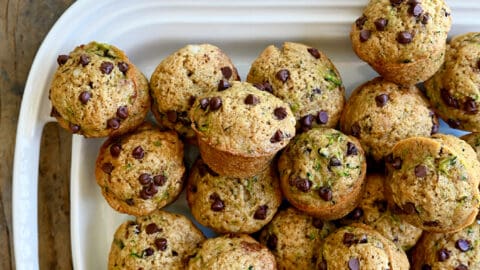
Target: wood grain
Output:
[{"x": 23, "y": 25}]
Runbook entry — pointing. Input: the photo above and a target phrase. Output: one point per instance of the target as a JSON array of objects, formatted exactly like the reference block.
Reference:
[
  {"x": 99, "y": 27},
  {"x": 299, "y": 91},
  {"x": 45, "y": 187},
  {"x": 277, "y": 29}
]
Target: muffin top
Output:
[
  {"x": 243, "y": 120},
  {"x": 305, "y": 78},
  {"x": 97, "y": 92}
]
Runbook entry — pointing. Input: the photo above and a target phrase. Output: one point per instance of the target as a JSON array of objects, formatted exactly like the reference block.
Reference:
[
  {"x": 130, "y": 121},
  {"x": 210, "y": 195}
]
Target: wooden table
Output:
[{"x": 23, "y": 25}]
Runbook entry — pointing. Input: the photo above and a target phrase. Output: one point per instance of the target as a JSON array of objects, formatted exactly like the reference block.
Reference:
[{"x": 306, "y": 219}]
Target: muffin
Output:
[
  {"x": 232, "y": 205},
  {"x": 160, "y": 240},
  {"x": 294, "y": 239},
  {"x": 373, "y": 211},
  {"x": 184, "y": 75},
  {"x": 357, "y": 247},
  {"x": 404, "y": 41},
  {"x": 303, "y": 77},
  {"x": 453, "y": 91},
  {"x": 474, "y": 140},
  {"x": 459, "y": 251},
  {"x": 240, "y": 130},
  {"x": 233, "y": 252},
  {"x": 97, "y": 92},
  {"x": 432, "y": 183},
  {"x": 322, "y": 173},
  {"x": 141, "y": 171},
  {"x": 394, "y": 113}
]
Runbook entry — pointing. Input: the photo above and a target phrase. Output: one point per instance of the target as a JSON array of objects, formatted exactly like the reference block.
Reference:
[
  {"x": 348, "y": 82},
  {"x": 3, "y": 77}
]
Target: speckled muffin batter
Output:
[
  {"x": 454, "y": 90},
  {"x": 474, "y": 140},
  {"x": 432, "y": 183},
  {"x": 233, "y": 252},
  {"x": 141, "y": 171},
  {"x": 458, "y": 251},
  {"x": 294, "y": 239},
  {"x": 160, "y": 240},
  {"x": 373, "y": 211},
  {"x": 305, "y": 78},
  {"x": 184, "y": 75},
  {"x": 241, "y": 129},
  {"x": 358, "y": 247},
  {"x": 380, "y": 113},
  {"x": 97, "y": 92},
  {"x": 232, "y": 205},
  {"x": 322, "y": 173},
  {"x": 404, "y": 41}
]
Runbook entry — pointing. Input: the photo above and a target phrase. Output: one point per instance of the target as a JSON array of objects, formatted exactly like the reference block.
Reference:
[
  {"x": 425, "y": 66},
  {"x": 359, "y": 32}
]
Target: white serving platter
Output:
[{"x": 148, "y": 31}]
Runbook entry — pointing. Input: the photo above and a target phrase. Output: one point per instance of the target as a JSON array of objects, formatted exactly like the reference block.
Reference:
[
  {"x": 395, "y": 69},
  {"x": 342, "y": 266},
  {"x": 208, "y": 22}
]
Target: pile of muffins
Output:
[{"x": 291, "y": 175}]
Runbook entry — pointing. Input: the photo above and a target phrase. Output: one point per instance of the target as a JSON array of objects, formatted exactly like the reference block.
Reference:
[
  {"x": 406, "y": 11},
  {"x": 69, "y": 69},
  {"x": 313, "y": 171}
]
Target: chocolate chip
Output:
[
  {"x": 261, "y": 212},
  {"x": 215, "y": 103},
  {"x": 107, "y": 168},
  {"x": 272, "y": 241},
  {"x": 161, "y": 244},
  {"x": 122, "y": 112},
  {"x": 130, "y": 202},
  {"x": 351, "y": 149},
  {"x": 431, "y": 223},
  {"x": 283, "y": 75},
  {"x": 174, "y": 253},
  {"x": 317, "y": 223},
  {"x": 159, "y": 180},
  {"x": 148, "y": 252},
  {"x": 381, "y": 23},
  {"x": 277, "y": 137},
  {"x": 453, "y": 123},
  {"x": 446, "y": 12},
  {"x": 172, "y": 116},
  {"x": 348, "y": 239},
  {"x": 325, "y": 193},
  {"x": 191, "y": 100},
  {"x": 448, "y": 99},
  {"x": 123, "y": 67},
  {"x": 409, "y": 208},
  {"x": 115, "y": 149},
  {"x": 84, "y": 60},
  {"x": 322, "y": 117},
  {"x": 381, "y": 100},
  {"x": 251, "y": 100},
  {"x": 280, "y": 113},
  {"x": 151, "y": 190},
  {"x": 106, "y": 67},
  {"x": 204, "y": 103},
  {"x": 425, "y": 18},
  {"x": 314, "y": 52},
  {"x": 396, "y": 2},
  {"x": 217, "y": 205},
  {"x": 461, "y": 267},
  {"x": 306, "y": 122},
  {"x": 138, "y": 152},
  {"x": 54, "y": 112},
  {"x": 113, "y": 123},
  {"x": 421, "y": 171},
  {"x": 74, "y": 128},
  {"x": 152, "y": 228},
  {"x": 365, "y": 35},
  {"x": 62, "y": 59},
  {"x": 415, "y": 10},
  {"x": 226, "y": 72},
  {"x": 355, "y": 130},
  {"x": 316, "y": 91},
  {"x": 443, "y": 254},
  {"x": 223, "y": 85},
  {"x": 470, "y": 106},
  {"x": 404, "y": 37},
  {"x": 84, "y": 97},
  {"x": 144, "y": 194},
  {"x": 435, "y": 128},
  {"x": 363, "y": 239},
  {"x": 266, "y": 86},
  {"x": 334, "y": 162},
  {"x": 302, "y": 184},
  {"x": 381, "y": 205},
  {"x": 463, "y": 245},
  {"x": 426, "y": 267},
  {"x": 395, "y": 162},
  {"x": 353, "y": 264},
  {"x": 356, "y": 214},
  {"x": 360, "y": 22},
  {"x": 145, "y": 179}
]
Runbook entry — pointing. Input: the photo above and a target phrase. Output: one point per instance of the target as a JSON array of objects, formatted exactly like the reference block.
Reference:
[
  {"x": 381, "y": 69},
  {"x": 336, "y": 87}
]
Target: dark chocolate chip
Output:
[
  {"x": 123, "y": 67},
  {"x": 161, "y": 244},
  {"x": 351, "y": 149},
  {"x": 356, "y": 130},
  {"x": 334, "y": 162},
  {"x": 62, "y": 59},
  {"x": 461, "y": 267},
  {"x": 446, "y": 12},
  {"x": 381, "y": 100},
  {"x": 317, "y": 223},
  {"x": 172, "y": 116},
  {"x": 470, "y": 106},
  {"x": 151, "y": 190},
  {"x": 435, "y": 128},
  {"x": 261, "y": 212},
  {"x": 303, "y": 185},
  {"x": 425, "y": 18},
  {"x": 322, "y": 117},
  {"x": 421, "y": 171},
  {"x": 325, "y": 193},
  {"x": 217, "y": 205},
  {"x": 122, "y": 112},
  {"x": 363, "y": 239},
  {"x": 409, "y": 208},
  {"x": 159, "y": 180},
  {"x": 113, "y": 123},
  {"x": 381, "y": 23},
  {"x": 443, "y": 254},
  {"x": 74, "y": 128},
  {"x": 426, "y": 267},
  {"x": 306, "y": 122},
  {"x": 138, "y": 152},
  {"x": 431, "y": 223},
  {"x": 277, "y": 137},
  {"x": 144, "y": 195},
  {"x": 107, "y": 168},
  {"x": 54, "y": 112},
  {"x": 365, "y": 35},
  {"x": 204, "y": 103},
  {"x": 223, "y": 85},
  {"x": 404, "y": 37},
  {"x": 396, "y": 2},
  {"x": 353, "y": 264},
  {"x": 191, "y": 100},
  {"x": 266, "y": 86},
  {"x": 283, "y": 75},
  {"x": 395, "y": 162},
  {"x": 314, "y": 52},
  {"x": 251, "y": 100},
  {"x": 148, "y": 252},
  {"x": 448, "y": 99},
  {"x": 463, "y": 245},
  {"x": 226, "y": 72},
  {"x": 84, "y": 60},
  {"x": 106, "y": 67},
  {"x": 130, "y": 202},
  {"x": 215, "y": 103},
  {"x": 115, "y": 149},
  {"x": 356, "y": 214},
  {"x": 145, "y": 179},
  {"x": 360, "y": 22},
  {"x": 174, "y": 253},
  {"x": 381, "y": 205},
  {"x": 415, "y": 10},
  {"x": 316, "y": 91},
  {"x": 84, "y": 97},
  {"x": 152, "y": 228},
  {"x": 453, "y": 123},
  {"x": 272, "y": 241},
  {"x": 348, "y": 239},
  {"x": 280, "y": 113}
]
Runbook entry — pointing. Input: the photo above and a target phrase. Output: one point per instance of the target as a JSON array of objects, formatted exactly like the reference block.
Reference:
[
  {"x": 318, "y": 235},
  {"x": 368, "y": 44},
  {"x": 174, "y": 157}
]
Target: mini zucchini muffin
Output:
[
  {"x": 240, "y": 130},
  {"x": 305, "y": 78},
  {"x": 432, "y": 183},
  {"x": 232, "y": 205},
  {"x": 233, "y": 252},
  {"x": 294, "y": 238},
  {"x": 322, "y": 173},
  {"x": 97, "y": 92},
  {"x": 184, "y": 75},
  {"x": 454, "y": 90},
  {"x": 373, "y": 211},
  {"x": 459, "y": 251},
  {"x": 404, "y": 41},
  {"x": 474, "y": 140},
  {"x": 358, "y": 246},
  {"x": 141, "y": 171},
  {"x": 394, "y": 113},
  {"x": 160, "y": 240}
]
